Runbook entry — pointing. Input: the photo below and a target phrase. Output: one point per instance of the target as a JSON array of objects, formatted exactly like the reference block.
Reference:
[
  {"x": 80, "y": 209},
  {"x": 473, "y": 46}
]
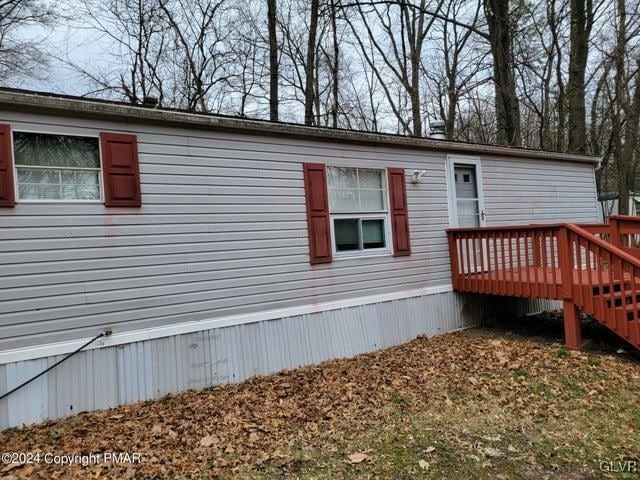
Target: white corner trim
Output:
[{"x": 62, "y": 348}]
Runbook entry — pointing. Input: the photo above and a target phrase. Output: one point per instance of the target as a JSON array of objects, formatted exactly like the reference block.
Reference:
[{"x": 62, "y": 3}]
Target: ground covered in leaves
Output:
[{"x": 482, "y": 403}]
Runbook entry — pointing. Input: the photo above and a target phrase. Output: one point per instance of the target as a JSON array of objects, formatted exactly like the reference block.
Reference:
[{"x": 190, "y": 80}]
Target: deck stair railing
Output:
[{"x": 595, "y": 268}]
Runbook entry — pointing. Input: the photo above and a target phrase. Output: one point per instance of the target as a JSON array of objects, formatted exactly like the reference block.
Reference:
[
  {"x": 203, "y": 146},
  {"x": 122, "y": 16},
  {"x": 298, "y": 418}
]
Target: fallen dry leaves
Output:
[{"x": 242, "y": 428}]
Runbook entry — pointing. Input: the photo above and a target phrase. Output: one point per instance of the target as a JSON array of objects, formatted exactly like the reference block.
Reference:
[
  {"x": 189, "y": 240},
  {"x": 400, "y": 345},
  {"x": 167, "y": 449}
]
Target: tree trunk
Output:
[
  {"x": 335, "y": 67},
  {"x": 416, "y": 111},
  {"x": 581, "y": 22},
  {"x": 309, "y": 92},
  {"x": 273, "y": 61},
  {"x": 626, "y": 104},
  {"x": 555, "y": 20},
  {"x": 450, "y": 121},
  {"x": 507, "y": 107}
]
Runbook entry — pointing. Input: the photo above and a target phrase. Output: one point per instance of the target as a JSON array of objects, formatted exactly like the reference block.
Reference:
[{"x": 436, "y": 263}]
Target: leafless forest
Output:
[{"x": 559, "y": 75}]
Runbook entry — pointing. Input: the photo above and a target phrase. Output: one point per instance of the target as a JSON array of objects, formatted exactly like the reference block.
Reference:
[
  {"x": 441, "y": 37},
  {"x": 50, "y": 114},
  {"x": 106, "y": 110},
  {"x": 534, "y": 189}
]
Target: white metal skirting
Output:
[{"x": 117, "y": 375}]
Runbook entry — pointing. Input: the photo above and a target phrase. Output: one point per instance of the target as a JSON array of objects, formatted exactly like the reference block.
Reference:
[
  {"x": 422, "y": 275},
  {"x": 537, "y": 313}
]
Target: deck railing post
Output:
[
  {"x": 614, "y": 232},
  {"x": 572, "y": 326},
  {"x": 565, "y": 261},
  {"x": 453, "y": 255}
]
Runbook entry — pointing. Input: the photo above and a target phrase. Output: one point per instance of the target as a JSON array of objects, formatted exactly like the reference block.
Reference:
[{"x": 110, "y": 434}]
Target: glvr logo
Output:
[{"x": 621, "y": 466}]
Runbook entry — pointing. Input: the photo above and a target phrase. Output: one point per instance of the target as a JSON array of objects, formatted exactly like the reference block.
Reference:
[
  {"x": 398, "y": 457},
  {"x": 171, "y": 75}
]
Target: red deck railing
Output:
[{"x": 594, "y": 267}]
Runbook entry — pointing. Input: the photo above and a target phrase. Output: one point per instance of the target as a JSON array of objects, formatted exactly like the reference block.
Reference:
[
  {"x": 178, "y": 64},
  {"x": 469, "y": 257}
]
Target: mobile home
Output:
[{"x": 199, "y": 249}]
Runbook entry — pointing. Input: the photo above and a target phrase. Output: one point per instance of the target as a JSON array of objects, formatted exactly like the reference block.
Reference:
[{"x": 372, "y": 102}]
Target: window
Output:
[
  {"x": 358, "y": 208},
  {"x": 56, "y": 167}
]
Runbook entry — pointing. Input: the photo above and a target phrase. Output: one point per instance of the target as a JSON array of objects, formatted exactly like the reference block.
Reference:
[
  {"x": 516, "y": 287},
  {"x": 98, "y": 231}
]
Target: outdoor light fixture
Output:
[{"x": 417, "y": 175}]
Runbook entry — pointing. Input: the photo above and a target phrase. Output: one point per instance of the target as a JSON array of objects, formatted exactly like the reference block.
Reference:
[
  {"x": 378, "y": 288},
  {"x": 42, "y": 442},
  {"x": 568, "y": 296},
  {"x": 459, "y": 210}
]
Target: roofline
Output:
[{"x": 72, "y": 106}]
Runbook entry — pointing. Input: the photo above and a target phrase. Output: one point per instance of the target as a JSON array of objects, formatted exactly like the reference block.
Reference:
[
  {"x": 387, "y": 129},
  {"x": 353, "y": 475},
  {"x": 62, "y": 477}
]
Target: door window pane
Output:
[
  {"x": 467, "y": 203},
  {"x": 373, "y": 234},
  {"x": 468, "y": 214},
  {"x": 466, "y": 188},
  {"x": 347, "y": 234}
]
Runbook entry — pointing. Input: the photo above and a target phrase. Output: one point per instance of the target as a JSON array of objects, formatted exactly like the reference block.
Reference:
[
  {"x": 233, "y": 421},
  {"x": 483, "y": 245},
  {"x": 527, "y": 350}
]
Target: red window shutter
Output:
[
  {"x": 315, "y": 190},
  {"x": 399, "y": 213},
  {"x": 120, "y": 170},
  {"x": 7, "y": 194}
]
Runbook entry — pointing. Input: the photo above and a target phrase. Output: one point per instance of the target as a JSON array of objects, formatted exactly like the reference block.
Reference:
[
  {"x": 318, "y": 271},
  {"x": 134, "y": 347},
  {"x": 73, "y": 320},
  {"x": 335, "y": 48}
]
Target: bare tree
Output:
[
  {"x": 538, "y": 57},
  {"x": 139, "y": 37},
  {"x": 200, "y": 48},
  {"x": 404, "y": 30},
  {"x": 243, "y": 93},
  {"x": 23, "y": 55},
  {"x": 456, "y": 65}
]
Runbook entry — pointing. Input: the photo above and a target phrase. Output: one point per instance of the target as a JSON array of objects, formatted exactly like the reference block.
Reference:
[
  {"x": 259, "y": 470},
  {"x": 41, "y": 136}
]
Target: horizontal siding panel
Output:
[
  {"x": 22, "y": 275},
  {"x": 517, "y": 191},
  {"x": 27, "y": 233},
  {"x": 283, "y": 198},
  {"x": 218, "y": 241},
  {"x": 32, "y": 221},
  {"x": 214, "y": 170},
  {"x": 182, "y": 274},
  {"x": 292, "y": 254},
  {"x": 268, "y": 250},
  {"x": 152, "y": 209},
  {"x": 63, "y": 316},
  {"x": 227, "y": 190},
  {"x": 258, "y": 187}
]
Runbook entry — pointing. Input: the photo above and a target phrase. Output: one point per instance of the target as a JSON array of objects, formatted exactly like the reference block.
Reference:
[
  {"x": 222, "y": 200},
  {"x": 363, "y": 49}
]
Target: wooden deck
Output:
[{"x": 594, "y": 268}]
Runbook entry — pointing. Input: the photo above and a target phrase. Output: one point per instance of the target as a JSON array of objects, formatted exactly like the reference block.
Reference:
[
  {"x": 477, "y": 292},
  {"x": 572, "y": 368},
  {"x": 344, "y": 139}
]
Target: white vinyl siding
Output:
[
  {"x": 222, "y": 231},
  {"x": 519, "y": 191}
]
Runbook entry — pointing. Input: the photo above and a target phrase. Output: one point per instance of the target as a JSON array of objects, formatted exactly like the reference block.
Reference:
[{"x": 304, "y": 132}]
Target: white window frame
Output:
[
  {"x": 376, "y": 215},
  {"x": 45, "y": 200}
]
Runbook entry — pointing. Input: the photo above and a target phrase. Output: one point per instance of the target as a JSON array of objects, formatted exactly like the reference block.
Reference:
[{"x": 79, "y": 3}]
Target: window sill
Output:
[
  {"x": 352, "y": 256},
  {"x": 57, "y": 202}
]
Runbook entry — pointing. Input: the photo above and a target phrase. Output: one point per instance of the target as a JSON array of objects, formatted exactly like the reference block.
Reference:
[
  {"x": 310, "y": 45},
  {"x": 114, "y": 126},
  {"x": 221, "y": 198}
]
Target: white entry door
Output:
[{"x": 466, "y": 199}]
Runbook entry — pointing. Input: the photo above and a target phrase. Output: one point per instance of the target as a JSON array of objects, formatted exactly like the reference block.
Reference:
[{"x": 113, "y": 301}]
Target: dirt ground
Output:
[{"x": 483, "y": 403}]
